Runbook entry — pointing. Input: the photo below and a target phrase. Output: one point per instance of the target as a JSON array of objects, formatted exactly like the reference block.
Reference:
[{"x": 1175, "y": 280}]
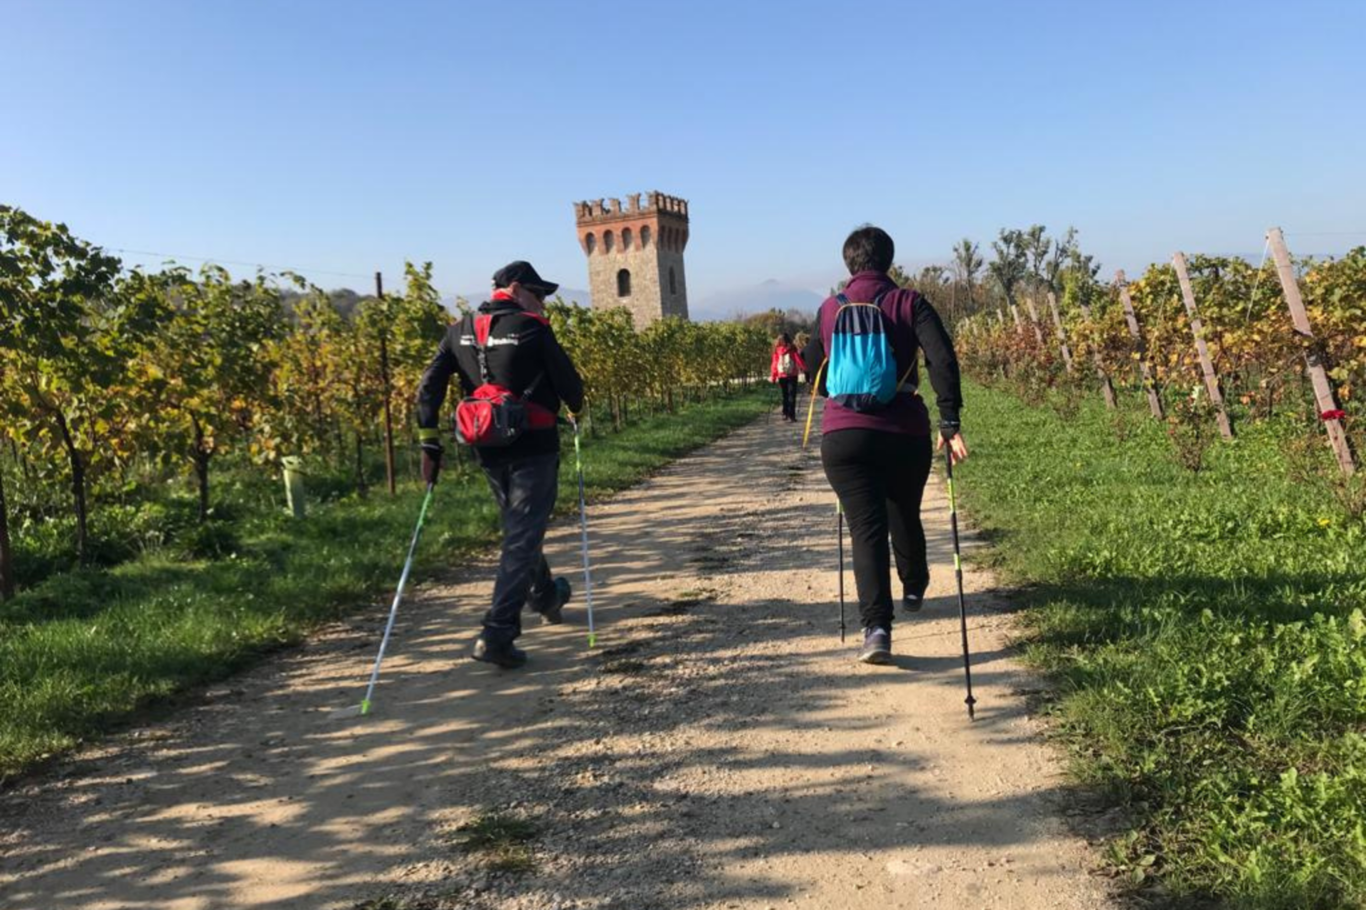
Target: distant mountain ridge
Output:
[
  {"x": 762, "y": 297},
  {"x": 772, "y": 294},
  {"x": 570, "y": 295}
]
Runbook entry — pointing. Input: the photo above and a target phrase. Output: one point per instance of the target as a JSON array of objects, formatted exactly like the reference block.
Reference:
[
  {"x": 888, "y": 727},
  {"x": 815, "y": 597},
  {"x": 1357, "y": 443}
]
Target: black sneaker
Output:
[
  {"x": 877, "y": 646},
  {"x": 508, "y": 656},
  {"x": 553, "y": 615},
  {"x": 911, "y": 603}
]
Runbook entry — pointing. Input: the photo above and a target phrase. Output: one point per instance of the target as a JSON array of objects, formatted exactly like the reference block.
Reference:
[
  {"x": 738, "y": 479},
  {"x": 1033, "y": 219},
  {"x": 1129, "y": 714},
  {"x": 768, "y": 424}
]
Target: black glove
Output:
[
  {"x": 431, "y": 461},
  {"x": 948, "y": 429}
]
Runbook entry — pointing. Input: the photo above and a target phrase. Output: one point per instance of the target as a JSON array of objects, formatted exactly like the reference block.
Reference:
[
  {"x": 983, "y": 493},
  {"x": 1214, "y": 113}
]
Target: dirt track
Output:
[{"x": 720, "y": 749}]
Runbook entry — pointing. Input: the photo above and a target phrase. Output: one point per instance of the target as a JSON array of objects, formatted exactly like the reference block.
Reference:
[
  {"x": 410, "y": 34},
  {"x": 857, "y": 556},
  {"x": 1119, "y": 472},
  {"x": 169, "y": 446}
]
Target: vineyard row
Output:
[
  {"x": 111, "y": 378},
  {"x": 1209, "y": 340}
]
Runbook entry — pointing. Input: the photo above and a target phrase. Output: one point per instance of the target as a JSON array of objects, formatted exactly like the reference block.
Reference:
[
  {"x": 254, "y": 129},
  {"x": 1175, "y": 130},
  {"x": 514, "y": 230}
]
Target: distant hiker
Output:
[
  {"x": 514, "y": 376},
  {"x": 787, "y": 363},
  {"x": 875, "y": 431}
]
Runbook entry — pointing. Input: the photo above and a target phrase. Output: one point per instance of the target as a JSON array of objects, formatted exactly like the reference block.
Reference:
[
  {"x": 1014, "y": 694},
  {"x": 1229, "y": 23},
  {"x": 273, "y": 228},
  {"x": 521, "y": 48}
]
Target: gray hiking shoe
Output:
[
  {"x": 553, "y": 615},
  {"x": 911, "y": 603},
  {"x": 877, "y": 646}
]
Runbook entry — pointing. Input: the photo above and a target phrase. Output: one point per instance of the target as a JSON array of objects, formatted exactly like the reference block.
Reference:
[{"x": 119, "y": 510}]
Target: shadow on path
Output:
[{"x": 719, "y": 730}]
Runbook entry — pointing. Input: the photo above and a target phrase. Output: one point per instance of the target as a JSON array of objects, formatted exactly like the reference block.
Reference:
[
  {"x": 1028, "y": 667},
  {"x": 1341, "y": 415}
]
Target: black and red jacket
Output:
[{"x": 522, "y": 352}]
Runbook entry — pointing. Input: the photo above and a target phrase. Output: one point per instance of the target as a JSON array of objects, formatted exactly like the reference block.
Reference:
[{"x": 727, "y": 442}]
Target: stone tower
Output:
[{"x": 635, "y": 254}]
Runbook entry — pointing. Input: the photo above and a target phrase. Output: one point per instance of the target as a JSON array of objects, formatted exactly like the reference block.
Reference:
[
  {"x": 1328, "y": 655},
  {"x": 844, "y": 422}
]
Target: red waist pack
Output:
[{"x": 494, "y": 417}]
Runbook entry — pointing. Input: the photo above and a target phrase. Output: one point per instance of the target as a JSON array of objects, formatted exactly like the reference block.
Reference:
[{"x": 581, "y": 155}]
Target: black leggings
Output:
[
  {"x": 880, "y": 478},
  {"x": 789, "y": 386}
]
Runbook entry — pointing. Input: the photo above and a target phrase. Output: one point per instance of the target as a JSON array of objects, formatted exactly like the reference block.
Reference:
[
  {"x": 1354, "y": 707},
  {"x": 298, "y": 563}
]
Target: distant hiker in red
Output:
[{"x": 787, "y": 363}]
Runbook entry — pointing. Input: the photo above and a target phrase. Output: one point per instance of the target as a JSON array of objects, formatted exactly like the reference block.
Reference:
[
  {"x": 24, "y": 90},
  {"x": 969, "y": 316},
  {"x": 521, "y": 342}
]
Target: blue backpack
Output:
[{"x": 862, "y": 366}]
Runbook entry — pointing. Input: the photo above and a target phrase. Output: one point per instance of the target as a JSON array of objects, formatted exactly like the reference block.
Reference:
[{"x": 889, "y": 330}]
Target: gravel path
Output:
[{"x": 720, "y": 748}]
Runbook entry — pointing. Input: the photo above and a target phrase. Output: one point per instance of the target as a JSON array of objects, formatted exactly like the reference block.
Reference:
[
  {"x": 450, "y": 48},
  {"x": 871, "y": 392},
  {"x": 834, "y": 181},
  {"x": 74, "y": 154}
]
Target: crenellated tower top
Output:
[
  {"x": 635, "y": 253},
  {"x": 599, "y": 211}
]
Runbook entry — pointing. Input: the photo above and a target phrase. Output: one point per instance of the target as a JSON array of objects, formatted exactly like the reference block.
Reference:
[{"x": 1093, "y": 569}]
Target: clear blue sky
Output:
[{"x": 348, "y": 136}]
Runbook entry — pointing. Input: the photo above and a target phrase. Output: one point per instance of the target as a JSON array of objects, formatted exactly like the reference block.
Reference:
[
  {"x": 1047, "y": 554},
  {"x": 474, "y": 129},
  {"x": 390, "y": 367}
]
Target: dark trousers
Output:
[
  {"x": 525, "y": 490},
  {"x": 788, "y": 384},
  {"x": 880, "y": 478}
]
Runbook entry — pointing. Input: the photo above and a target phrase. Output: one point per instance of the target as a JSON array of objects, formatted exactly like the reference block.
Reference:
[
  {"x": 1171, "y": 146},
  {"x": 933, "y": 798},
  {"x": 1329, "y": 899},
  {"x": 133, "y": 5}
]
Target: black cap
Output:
[{"x": 524, "y": 274}]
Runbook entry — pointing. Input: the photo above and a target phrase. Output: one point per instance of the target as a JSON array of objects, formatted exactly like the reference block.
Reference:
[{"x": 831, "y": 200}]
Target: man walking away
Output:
[
  {"x": 786, "y": 364},
  {"x": 507, "y": 346},
  {"x": 875, "y": 442}
]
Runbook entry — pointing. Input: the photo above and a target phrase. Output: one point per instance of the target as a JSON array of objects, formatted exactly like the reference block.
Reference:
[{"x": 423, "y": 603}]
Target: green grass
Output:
[
  {"x": 1207, "y": 632},
  {"x": 84, "y": 651},
  {"x": 503, "y": 841}
]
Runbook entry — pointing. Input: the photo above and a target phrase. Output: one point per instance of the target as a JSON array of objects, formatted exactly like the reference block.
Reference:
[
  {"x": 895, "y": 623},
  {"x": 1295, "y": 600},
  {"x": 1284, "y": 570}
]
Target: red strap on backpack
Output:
[{"x": 493, "y": 415}]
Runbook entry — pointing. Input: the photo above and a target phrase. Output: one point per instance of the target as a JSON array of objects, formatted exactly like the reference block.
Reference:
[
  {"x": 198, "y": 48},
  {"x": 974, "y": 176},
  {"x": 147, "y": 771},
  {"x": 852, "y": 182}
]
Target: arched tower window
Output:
[
  {"x": 625, "y": 240},
  {"x": 673, "y": 284},
  {"x": 607, "y": 243},
  {"x": 590, "y": 243},
  {"x": 623, "y": 283},
  {"x": 644, "y": 236}
]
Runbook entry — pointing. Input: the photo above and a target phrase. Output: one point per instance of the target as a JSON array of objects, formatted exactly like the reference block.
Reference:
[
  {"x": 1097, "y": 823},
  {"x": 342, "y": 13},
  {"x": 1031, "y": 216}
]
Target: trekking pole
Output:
[
  {"x": 811, "y": 411},
  {"x": 839, "y": 531},
  {"x": 364, "y": 706},
  {"x": 583, "y": 530},
  {"x": 958, "y": 571}
]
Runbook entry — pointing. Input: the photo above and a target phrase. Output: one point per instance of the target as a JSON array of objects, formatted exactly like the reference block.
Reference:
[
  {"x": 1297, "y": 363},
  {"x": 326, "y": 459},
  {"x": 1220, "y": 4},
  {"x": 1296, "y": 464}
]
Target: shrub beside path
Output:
[{"x": 719, "y": 749}]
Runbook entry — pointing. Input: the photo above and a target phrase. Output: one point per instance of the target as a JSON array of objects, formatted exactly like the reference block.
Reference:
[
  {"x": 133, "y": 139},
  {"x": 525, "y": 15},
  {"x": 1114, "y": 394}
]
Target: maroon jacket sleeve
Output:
[{"x": 941, "y": 361}]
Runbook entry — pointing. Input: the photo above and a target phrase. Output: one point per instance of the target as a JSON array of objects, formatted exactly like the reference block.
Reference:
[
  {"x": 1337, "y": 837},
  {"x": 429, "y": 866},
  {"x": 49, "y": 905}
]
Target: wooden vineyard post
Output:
[
  {"x": 1198, "y": 329},
  {"x": 1034, "y": 320},
  {"x": 388, "y": 388},
  {"x": 1015, "y": 311},
  {"x": 1107, "y": 388},
  {"x": 1323, "y": 390},
  {"x": 6, "y": 563},
  {"x": 1000, "y": 315},
  {"x": 1062, "y": 333},
  {"x": 1140, "y": 349}
]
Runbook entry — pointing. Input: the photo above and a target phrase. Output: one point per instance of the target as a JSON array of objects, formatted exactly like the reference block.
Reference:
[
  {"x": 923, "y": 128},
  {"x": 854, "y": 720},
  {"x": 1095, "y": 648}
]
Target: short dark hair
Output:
[{"x": 868, "y": 249}]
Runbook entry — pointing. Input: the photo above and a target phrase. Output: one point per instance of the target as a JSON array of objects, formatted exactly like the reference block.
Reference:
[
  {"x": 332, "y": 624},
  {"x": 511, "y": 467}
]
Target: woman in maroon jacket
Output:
[
  {"x": 878, "y": 460},
  {"x": 787, "y": 363}
]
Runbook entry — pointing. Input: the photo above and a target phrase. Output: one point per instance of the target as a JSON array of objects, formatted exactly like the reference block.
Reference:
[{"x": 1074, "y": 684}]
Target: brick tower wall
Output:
[
  {"x": 673, "y": 303},
  {"x": 645, "y": 240}
]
